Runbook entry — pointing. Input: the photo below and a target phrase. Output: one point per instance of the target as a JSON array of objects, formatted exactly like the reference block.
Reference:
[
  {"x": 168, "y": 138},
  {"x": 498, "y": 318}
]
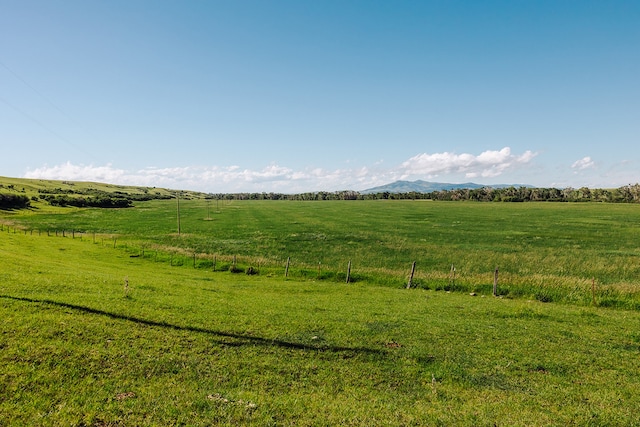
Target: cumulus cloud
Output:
[
  {"x": 582, "y": 164},
  {"x": 487, "y": 164},
  {"x": 73, "y": 172},
  {"x": 205, "y": 178},
  {"x": 277, "y": 178}
]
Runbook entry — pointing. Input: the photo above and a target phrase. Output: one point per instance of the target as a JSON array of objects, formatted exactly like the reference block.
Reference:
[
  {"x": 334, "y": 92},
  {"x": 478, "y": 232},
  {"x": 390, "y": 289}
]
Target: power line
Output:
[
  {"x": 42, "y": 125},
  {"x": 52, "y": 104},
  {"x": 40, "y": 94}
]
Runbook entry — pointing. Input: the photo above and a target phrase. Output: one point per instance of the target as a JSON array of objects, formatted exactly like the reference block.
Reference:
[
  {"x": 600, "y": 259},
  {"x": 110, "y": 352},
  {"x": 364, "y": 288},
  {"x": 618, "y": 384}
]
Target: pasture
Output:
[
  {"x": 560, "y": 252},
  {"x": 183, "y": 346},
  {"x": 111, "y": 325}
]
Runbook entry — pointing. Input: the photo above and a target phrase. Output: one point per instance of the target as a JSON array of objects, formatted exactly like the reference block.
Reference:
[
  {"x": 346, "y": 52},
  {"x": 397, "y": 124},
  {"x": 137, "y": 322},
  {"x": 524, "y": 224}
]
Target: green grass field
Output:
[
  {"x": 98, "y": 335},
  {"x": 184, "y": 346},
  {"x": 544, "y": 251}
]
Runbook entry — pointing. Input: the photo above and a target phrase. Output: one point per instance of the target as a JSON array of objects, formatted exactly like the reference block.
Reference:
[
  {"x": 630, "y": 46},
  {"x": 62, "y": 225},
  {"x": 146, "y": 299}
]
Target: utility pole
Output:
[{"x": 178, "y": 199}]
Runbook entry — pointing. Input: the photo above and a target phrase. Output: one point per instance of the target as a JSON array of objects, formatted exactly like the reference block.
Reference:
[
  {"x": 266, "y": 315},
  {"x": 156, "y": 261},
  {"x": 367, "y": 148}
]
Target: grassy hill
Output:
[
  {"x": 36, "y": 187},
  {"x": 18, "y": 193}
]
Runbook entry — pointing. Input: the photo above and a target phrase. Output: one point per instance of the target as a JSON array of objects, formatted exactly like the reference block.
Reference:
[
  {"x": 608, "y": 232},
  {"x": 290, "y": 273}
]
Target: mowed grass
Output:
[
  {"x": 544, "y": 251},
  {"x": 184, "y": 346}
]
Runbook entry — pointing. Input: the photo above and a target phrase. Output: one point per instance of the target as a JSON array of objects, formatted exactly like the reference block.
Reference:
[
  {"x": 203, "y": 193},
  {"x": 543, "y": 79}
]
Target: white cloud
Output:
[
  {"x": 73, "y": 172},
  {"x": 276, "y": 178},
  {"x": 584, "y": 163},
  {"x": 487, "y": 164},
  {"x": 206, "y": 178}
]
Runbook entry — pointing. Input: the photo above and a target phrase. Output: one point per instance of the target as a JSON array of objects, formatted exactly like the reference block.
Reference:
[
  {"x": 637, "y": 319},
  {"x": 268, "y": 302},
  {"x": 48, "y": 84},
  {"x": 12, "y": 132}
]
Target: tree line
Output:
[
  {"x": 626, "y": 194},
  {"x": 102, "y": 199},
  {"x": 88, "y": 202},
  {"x": 139, "y": 197},
  {"x": 95, "y": 198}
]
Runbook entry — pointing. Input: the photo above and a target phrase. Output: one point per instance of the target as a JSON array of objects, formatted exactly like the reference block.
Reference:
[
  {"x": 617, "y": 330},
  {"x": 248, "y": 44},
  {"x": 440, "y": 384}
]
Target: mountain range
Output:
[{"x": 427, "y": 187}]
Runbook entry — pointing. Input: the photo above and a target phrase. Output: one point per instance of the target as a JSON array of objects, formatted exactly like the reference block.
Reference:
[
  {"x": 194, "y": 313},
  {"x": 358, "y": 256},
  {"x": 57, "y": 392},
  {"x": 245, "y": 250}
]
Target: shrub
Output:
[{"x": 14, "y": 201}]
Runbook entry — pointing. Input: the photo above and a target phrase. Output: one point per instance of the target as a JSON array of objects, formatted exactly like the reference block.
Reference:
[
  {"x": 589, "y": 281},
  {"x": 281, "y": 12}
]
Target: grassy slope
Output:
[
  {"x": 32, "y": 187},
  {"x": 192, "y": 347}
]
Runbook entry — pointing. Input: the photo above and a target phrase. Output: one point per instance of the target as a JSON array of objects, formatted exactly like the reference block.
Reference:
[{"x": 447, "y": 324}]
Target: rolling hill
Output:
[{"x": 427, "y": 187}]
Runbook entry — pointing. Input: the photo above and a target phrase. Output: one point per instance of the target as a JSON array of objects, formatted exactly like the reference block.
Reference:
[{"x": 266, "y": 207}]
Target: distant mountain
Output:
[{"x": 427, "y": 187}]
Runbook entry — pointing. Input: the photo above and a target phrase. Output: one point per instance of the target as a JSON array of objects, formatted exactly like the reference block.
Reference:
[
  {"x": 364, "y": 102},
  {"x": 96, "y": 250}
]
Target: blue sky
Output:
[{"x": 293, "y": 96}]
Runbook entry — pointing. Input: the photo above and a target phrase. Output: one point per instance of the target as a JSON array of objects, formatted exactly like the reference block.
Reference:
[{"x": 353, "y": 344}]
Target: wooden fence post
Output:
[
  {"x": 348, "y": 272},
  {"x": 452, "y": 276},
  {"x": 286, "y": 268},
  {"x": 413, "y": 270},
  {"x": 495, "y": 282}
]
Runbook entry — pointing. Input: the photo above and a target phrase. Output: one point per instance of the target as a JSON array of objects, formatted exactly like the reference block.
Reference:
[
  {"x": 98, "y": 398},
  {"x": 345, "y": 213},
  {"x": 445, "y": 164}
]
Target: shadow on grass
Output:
[{"x": 245, "y": 339}]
